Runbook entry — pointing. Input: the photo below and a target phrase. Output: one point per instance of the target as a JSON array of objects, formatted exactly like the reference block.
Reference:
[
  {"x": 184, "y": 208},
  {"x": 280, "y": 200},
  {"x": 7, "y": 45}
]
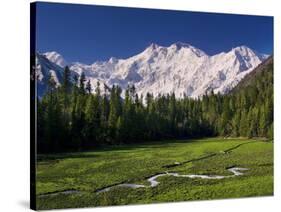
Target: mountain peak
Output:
[
  {"x": 180, "y": 45},
  {"x": 185, "y": 46},
  {"x": 56, "y": 58},
  {"x": 52, "y": 53},
  {"x": 248, "y": 52},
  {"x": 243, "y": 51},
  {"x": 242, "y": 48},
  {"x": 113, "y": 60},
  {"x": 153, "y": 46}
]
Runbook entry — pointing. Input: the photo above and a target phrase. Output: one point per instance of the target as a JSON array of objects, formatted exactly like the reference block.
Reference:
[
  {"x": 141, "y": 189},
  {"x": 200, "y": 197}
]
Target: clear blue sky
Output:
[{"x": 88, "y": 33}]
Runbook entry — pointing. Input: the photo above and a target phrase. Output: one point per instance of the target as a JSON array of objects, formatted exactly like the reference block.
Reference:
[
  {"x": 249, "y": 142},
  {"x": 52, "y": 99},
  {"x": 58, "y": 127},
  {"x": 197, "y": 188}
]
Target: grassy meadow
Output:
[{"x": 87, "y": 172}]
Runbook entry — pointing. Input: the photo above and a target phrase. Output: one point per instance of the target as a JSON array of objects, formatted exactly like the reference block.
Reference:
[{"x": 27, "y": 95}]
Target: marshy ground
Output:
[{"x": 75, "y": 179}]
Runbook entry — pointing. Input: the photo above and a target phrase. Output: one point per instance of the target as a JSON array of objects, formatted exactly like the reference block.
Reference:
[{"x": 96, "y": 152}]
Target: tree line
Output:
[{"x": 71, "y": 117}]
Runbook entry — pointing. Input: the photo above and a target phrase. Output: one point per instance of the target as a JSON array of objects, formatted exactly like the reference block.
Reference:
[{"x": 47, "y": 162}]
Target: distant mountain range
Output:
[{"x": 180, "y": 68}]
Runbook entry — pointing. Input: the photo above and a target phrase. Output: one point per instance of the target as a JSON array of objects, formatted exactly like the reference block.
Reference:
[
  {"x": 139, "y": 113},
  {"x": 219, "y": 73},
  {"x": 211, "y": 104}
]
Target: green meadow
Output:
[{"x": 72, "y": 180}]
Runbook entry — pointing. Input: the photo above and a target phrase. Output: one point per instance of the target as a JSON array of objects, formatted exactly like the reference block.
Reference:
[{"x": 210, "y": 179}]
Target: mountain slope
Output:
[
  {"x": 56, "y": 58},
  {"x": 255, "y": 94},
  {"x": 265, "y": 68},
  {"x": 44, "y": 69},
  {"x": 179, "y": 68}
]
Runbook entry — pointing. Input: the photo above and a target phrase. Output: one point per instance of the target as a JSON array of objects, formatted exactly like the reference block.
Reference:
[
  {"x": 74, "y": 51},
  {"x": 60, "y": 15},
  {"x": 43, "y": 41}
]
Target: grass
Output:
[{"x": 91, "y": 171}]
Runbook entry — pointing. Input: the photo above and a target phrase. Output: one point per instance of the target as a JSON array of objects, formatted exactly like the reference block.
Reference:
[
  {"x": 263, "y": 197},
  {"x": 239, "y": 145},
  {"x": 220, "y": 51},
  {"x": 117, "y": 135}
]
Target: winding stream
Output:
[{"x": 236, "y": 171}]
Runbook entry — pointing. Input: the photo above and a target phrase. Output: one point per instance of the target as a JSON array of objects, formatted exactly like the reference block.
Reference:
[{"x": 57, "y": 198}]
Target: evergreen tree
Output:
[
  {"x": 71, "y": 118},
  {"x": 66, "y": 84},
  {"x": 82, "y": 83},
  {"x": 89, "y": 87}
]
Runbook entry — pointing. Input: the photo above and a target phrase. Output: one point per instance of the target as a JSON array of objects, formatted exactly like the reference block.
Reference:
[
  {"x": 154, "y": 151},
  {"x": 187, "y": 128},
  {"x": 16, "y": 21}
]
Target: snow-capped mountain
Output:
[
  {"x": 55, "y": 58},
  {"x": 44, "y": 69},
  {"x": 180, "y": 68}
]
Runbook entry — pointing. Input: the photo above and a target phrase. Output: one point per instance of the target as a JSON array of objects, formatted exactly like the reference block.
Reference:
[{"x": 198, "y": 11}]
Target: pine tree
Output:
[
  {"x": 120, "y": 130},
  {"x": 89, "y": 87},
  {"x": 104, "y": 119},
  {"x": 115, "y": 111},
  {"x": 66, "y": 84},
  {"x": 53, "y": 121},
  {"x": 66, "y": 97},
  {"x": 82, "y": 84},
  {"x": 172, "y": 113}
]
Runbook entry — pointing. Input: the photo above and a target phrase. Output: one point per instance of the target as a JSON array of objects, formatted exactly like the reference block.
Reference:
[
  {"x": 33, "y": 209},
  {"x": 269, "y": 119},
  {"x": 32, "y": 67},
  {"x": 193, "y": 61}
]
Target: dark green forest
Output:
[{"x": 70, "y": 117}]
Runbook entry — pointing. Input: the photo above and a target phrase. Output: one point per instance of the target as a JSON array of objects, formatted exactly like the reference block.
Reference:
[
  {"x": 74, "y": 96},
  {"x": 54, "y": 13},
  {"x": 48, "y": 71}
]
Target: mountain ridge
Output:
[
  {"x": 262, "y": 68},
  {"x": 180, "y": 68}
]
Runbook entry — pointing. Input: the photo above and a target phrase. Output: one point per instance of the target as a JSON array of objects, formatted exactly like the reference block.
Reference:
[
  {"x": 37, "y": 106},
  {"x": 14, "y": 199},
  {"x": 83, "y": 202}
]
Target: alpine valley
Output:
[{"x": 179, "y": 68}]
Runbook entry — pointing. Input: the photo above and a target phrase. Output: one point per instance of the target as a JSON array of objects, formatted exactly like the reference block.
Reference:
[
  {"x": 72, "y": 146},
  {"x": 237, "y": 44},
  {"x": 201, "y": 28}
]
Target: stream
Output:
[{"x": 236, "y": 171}]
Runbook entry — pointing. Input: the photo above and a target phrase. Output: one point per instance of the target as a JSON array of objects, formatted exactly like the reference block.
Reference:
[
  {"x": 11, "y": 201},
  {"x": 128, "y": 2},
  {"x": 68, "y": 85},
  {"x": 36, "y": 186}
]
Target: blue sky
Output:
[{"x": 88, "y": 33}]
